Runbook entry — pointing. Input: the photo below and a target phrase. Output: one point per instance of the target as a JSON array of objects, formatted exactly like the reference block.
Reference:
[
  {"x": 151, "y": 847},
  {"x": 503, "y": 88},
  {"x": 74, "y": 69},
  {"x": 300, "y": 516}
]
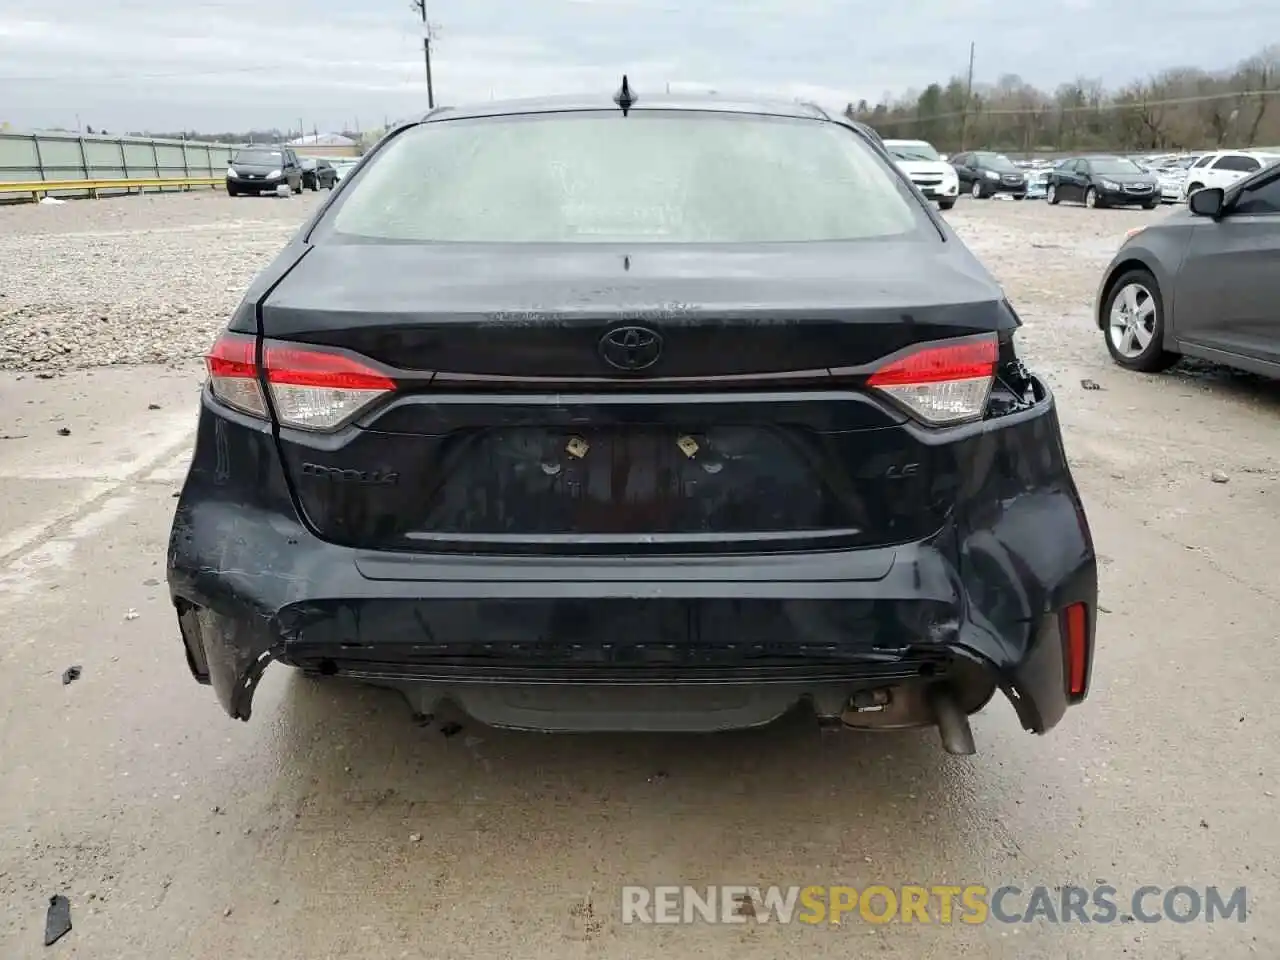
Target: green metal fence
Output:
[{"x": 69, "y": 156}]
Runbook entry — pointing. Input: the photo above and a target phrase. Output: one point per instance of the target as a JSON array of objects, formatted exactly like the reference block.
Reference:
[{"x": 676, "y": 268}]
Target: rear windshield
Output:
[
  {"x": 911, "y": 151},
  {"x": 659, "y": 177},
  {"x": 258, "y": 156}
]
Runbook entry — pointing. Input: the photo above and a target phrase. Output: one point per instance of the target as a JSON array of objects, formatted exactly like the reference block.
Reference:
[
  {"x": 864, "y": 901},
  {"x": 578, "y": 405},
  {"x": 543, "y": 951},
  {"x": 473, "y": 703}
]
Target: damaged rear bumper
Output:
[{"x": 693, "y": 642}]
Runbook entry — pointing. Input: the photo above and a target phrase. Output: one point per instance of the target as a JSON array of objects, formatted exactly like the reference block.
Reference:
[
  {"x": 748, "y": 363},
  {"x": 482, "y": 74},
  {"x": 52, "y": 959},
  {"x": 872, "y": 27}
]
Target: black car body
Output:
[
  {"x": 318, "y": 174},
  {"x": 257, "y": 168},
  {"x": 984, "y": 174},
  {"x": 644, "y": 447},
  {"x": 1104, "y": 182}
]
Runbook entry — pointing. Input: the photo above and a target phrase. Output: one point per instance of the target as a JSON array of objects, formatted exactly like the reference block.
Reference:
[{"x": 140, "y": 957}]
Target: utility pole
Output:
[
  {"x": 968, "y": 102},
  {"x": 421, "y": 7}
]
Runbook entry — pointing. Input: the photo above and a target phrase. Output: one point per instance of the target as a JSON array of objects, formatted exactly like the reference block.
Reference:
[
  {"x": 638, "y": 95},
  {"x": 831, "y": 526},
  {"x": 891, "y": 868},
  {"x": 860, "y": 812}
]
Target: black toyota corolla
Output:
[{"x": 626, "y": 414}]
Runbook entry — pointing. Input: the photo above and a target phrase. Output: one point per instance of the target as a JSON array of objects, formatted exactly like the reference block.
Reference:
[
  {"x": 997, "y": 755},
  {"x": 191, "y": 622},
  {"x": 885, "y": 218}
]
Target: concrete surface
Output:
[{"x": 176, "y": 832}]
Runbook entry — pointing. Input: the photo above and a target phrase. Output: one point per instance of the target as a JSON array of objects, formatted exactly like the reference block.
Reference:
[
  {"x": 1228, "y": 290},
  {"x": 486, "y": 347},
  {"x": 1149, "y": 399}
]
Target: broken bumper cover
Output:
[{"x": 743, "y": 636}]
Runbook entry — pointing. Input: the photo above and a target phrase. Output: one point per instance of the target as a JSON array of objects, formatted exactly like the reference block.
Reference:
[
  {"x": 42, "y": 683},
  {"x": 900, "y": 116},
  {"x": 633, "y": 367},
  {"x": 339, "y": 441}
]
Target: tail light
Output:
[
  {"x": 941, "y": 383},
  {"x": 233, "y": 374},
  {"x": 310, "y": 389},
  {"x": 1076, "y": 630}
]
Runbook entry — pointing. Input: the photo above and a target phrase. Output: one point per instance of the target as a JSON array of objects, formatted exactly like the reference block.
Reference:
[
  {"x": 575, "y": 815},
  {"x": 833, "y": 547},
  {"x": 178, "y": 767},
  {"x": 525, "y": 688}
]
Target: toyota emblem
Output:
[{"x": 631, "y": 348}]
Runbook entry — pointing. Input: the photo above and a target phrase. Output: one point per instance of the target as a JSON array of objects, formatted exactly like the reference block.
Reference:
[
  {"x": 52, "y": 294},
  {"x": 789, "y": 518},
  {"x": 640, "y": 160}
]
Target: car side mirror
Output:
[{"x": 1208, "y": 202}]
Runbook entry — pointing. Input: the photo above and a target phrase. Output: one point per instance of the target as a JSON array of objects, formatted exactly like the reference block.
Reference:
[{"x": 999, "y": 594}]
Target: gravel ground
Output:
[{"x": 140, "y": 279}]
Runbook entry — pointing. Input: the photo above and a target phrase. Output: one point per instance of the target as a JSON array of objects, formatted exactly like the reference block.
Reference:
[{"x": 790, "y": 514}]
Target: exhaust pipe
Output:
[{"x": 953, "y": 723}]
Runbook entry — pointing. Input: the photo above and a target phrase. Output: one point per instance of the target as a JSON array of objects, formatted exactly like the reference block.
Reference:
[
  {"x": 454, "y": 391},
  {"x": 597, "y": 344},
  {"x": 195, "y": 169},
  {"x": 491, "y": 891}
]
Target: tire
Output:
[
  {"x": 1051, "y": 194},
  {"x": 942, "y": 204},
  {"x": 976, "y": 191},
  {"x": 1132, "y": 311},
  {"x": 232, "y": 191},
  {"x": 1152, "y": 205},
  {"x": 1091, "y": 198},
  {"x": 1019, "y": 196}
]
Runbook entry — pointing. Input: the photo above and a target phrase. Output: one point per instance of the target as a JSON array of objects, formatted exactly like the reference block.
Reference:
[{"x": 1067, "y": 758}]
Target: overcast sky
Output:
[{"x": 232, "y": 64}]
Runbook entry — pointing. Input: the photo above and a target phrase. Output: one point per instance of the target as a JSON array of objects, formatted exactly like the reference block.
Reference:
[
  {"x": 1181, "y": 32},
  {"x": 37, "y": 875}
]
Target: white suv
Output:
[
  {"x": 1225, "y": 167},
  {"x": 932, "y": 175}
]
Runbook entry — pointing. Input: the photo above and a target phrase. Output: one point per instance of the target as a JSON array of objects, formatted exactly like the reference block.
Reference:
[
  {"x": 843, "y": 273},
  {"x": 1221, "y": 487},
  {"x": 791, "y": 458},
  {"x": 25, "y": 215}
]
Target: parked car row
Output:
[
  {"x": 1095, "y": 181},
  {"x": 1179, "y": 175},
  {"x": 1182, "y": 174},
  {"x": 255, "y": 169}
]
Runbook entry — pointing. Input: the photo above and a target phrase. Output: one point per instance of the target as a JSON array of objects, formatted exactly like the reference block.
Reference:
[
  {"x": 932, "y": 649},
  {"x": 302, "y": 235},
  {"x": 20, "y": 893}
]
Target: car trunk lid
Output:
[{"x": 514, "y": 429}]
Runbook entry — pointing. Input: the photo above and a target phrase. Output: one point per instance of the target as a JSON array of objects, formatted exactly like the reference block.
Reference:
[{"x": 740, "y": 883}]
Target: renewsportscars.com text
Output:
[{"x": 941, "y": 904}]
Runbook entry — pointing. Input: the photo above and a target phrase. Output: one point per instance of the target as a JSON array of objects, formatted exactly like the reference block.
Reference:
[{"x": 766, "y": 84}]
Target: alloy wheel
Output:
[{"x": 1132, "y": 324}]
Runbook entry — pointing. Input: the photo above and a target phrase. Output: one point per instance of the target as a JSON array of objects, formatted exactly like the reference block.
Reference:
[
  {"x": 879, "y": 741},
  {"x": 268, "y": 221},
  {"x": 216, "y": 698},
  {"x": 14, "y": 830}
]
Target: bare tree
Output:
[
  {"x": 1181, "y": 108},
  {"x": 1259, "y": 78}
]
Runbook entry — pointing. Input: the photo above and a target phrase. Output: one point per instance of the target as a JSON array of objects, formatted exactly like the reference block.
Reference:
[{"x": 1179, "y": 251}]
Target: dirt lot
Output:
[{"x": 332, "y": 826}]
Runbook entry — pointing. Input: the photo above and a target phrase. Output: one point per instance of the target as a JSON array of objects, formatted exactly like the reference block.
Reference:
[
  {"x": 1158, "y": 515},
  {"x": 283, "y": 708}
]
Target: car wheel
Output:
[
  {"x": 946, "y": 204},
  {"x": 1151, "y": 204},
  {"x": 1051, "y": 194},
  {"x": 1134, "y": 323},
  {"x": 232, "y": 191},
  {"x": 1091, "y": 198},
  {"x": 1019, "y": 196},
  {"x": 976, "y": 192}
]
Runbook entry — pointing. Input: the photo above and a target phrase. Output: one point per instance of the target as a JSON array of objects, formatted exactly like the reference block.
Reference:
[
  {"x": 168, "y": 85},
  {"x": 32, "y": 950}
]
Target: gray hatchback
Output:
[{"x": 1205, "y": 282}]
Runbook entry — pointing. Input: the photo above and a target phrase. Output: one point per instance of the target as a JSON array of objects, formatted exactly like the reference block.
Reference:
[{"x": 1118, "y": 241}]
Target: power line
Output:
[{"x": 1109, "y": 106}]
